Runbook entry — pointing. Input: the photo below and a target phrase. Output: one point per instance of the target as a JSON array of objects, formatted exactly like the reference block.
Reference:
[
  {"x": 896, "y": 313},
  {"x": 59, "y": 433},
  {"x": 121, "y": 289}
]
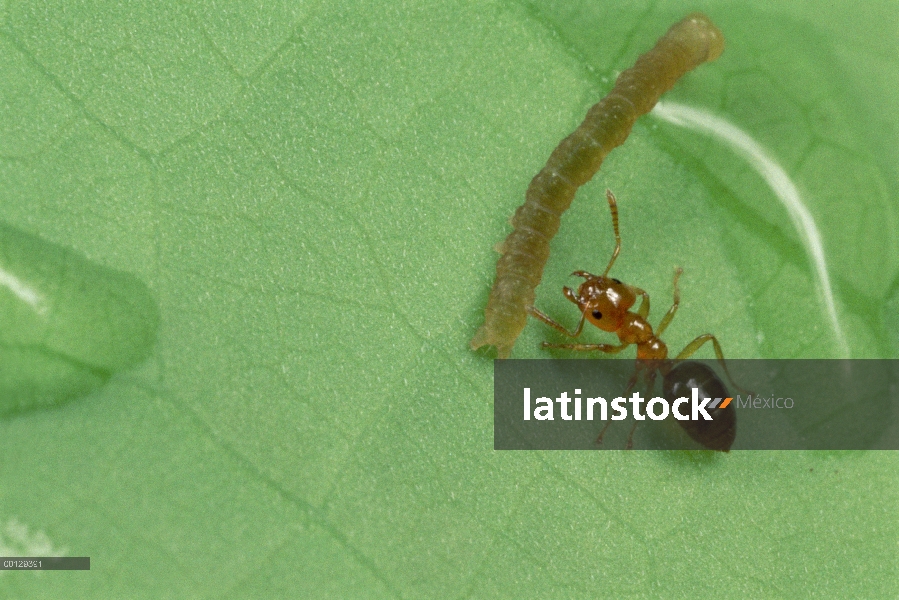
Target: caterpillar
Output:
[{"x": 686, "y": 45}]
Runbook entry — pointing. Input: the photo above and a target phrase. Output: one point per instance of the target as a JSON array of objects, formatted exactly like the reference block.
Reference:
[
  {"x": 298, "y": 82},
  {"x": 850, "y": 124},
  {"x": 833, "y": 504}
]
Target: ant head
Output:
[{"x": 604, "y": 301}]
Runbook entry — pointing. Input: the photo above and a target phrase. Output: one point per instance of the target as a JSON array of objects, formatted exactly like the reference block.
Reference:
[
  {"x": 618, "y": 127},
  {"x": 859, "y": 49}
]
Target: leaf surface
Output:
[{"x": 311, "y": 194}]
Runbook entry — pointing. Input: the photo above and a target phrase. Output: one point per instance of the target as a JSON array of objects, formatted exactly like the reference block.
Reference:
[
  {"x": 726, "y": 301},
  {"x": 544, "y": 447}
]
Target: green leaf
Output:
[{"x": 310, "y": 193}]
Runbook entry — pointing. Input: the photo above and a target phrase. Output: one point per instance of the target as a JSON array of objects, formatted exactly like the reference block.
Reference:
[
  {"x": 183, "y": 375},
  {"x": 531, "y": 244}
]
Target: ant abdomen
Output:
[{"x": 717, "y": 434}]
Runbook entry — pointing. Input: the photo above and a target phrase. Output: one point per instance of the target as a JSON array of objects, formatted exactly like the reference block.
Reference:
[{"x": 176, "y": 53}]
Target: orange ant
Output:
[{"x": 605, "y": 302}]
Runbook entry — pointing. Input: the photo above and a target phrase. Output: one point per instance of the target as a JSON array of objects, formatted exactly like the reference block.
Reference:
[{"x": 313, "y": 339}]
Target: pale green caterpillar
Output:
[
  {"x": 687, "y": 44},
  {"x": 66, "y": 323}
]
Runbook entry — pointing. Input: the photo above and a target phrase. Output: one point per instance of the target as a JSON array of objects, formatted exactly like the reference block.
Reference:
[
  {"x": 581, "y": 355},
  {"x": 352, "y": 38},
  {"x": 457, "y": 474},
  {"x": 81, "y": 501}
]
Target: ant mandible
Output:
[{"x": 606, "y": 302}]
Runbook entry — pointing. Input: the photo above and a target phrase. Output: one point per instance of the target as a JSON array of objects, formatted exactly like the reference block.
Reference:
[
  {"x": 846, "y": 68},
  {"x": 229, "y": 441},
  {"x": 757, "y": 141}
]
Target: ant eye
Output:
[
  {"x": 597, "y": 315},
  {"x": 616, "y": 280}
]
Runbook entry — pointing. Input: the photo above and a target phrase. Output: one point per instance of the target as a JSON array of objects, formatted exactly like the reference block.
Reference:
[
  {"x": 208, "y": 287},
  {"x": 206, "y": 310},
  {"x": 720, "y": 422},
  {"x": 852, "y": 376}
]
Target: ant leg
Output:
[
  {"x": 534, "y": 312},
  {"x": 696, "y": 344},
  {"x": 651, "y": 373},
  {"x": 650, "y": 380},
  {"x": 630, "y": 386},
  {"x": 643, "y": 311},
  {"x": 666, "y": 320},
  {"x": 598, "y": 441},
  {"x": 693, "y": 346},
  {"x": 607, "y": 348},
  {"x": 630, "y": 437}
]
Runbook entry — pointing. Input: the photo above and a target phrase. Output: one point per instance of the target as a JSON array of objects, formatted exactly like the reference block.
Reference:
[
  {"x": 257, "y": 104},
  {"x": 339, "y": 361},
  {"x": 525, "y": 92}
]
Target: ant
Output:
[{"x": 606, "y": 302}]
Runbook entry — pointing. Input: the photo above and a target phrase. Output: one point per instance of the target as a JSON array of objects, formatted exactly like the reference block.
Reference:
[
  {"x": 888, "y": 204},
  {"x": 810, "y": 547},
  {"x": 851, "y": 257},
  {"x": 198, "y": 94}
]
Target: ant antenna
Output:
[{"x": 613, "y": 206}]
